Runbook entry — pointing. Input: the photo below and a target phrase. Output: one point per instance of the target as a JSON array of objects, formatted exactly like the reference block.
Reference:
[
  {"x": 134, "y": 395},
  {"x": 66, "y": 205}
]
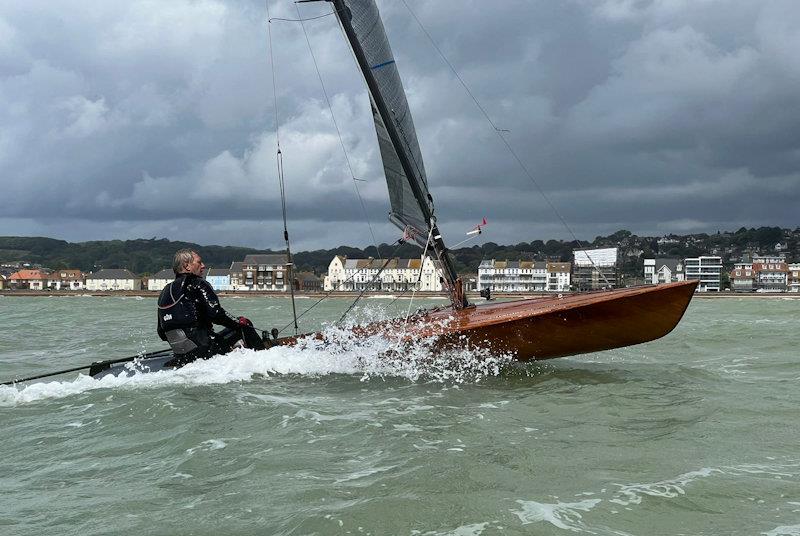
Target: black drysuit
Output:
[{"x": 187, "y": 309}]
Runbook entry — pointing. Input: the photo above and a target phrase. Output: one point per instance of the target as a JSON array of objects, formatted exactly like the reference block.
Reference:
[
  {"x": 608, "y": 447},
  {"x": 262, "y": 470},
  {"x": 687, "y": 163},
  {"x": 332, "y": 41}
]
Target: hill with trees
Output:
[{"x": 147, "y": 256}]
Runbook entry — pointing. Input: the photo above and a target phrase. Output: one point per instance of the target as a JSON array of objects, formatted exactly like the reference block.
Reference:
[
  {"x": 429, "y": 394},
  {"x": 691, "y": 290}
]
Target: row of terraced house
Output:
[
  {"x": 591, "y": 269},
  {"x": 70, "y": 279}
]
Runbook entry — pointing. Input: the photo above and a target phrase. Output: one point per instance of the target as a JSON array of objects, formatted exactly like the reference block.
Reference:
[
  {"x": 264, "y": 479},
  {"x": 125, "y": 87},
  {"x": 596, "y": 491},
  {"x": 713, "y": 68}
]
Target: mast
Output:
[{"x": 398, "y": 140}]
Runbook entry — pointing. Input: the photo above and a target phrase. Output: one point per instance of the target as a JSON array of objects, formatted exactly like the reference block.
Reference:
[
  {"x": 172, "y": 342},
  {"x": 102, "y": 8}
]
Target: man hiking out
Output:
[{"x": 187, "y": 309}]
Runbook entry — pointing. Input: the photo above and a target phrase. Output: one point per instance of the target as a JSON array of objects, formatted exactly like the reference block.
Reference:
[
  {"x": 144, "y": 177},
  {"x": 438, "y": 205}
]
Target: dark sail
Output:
[
  {"x": 408, "y": 191},
  {"x": 412, "y": 204}
]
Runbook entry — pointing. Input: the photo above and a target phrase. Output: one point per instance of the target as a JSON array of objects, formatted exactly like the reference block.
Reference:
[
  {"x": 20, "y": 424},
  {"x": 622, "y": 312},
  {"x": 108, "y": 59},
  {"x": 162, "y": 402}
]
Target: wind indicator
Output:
[{"x": 478, "y": 229}]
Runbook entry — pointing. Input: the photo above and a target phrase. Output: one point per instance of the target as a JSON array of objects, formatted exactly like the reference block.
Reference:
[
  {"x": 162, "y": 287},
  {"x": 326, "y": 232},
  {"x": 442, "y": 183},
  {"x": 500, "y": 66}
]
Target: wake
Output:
[{"x": 338, "y": 351}]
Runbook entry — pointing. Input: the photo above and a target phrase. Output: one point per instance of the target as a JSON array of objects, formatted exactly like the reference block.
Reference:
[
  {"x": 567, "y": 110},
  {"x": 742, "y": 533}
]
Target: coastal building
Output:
[
  {"x": 113, "y": 279},
  {"x": 236, "y": 272},
  {"x": 307, "y": 282},
  {"x": 595, "y": 268},
  {"x": 771, "y": 276},
  {"x": 35, "y": 279},
  {"x": 559, "y": 275},
  {"x": 160, "y": 279},
  {"x": 512, "y": 276},
  {"x": 3, "y": 282},
  {"x": 219, "y": 278},
  {"x": 334, "y": 279},
  {"x": 707, "y": 269},
  {"x": 765, "y": 273},
  {"x": 794, "y": 277},
  {"x": 264, "y": 272},
  {"x": 388, "y": 275},
  {"x": 470, "y": 281},
  {"x": 424, "y": 274},
  {"x": 769, "y": 259},
  {"x": 361, "y": 274},
  {"x": 523, "y": 276},
  {"x": 67, "y": 279},
  {"x": 743, "y": 278},
  {"x": 666, "y": 270}
]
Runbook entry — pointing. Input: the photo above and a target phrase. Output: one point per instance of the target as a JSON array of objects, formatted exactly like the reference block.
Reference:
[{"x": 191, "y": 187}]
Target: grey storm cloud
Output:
[{"x": 143, "y": 118}]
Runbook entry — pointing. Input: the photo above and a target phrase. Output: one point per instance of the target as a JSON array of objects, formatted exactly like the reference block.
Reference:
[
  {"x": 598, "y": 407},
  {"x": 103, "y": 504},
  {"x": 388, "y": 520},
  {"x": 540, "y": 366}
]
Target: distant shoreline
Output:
[{"x": 378, "y": 294}]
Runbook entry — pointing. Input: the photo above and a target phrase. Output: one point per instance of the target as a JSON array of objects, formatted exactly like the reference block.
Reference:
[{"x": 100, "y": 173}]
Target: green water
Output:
[{"x": 697, "y": 433}]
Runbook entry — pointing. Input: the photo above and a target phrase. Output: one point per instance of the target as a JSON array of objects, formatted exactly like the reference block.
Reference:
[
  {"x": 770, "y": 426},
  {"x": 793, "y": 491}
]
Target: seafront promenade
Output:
[{"x": 472, "y": 295}]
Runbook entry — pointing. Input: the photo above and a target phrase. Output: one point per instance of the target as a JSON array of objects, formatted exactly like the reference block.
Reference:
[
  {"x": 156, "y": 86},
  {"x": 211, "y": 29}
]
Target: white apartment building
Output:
[
  {"x": 523, "y": 276},
  {"x": 160, "y": 279},
  {"x": 559, "y": 276},
  {"x": 398, "y": 275},
  {"x": 512, "y": 276},
  {"x": 657, "y": 271},
  {"x": 113, "y": 279},
  {"x": 707, "y": 269},
  {"x": 403, "y": 274}
]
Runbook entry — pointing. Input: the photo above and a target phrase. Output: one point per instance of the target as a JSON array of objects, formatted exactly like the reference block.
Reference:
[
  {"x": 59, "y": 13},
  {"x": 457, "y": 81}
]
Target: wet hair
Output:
[{"x": 181, "y": 259}]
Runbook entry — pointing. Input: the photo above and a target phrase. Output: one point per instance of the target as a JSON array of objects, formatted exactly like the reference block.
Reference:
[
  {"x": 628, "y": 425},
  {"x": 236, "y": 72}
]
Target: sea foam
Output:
[{"x": 337, "y": 351}]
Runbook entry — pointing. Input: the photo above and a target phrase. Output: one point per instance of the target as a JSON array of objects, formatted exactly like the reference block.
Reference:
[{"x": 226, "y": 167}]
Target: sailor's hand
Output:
[{"x": 245, "y": 322}]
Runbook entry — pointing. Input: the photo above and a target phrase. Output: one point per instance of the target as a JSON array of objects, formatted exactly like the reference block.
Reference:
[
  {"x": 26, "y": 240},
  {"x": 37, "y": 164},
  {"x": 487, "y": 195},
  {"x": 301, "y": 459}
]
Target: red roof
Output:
[{"x": 27, "y": 275}]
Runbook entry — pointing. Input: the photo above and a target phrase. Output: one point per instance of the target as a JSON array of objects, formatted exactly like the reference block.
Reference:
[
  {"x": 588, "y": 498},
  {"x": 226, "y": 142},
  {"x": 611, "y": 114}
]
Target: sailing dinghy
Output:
[{"x": 529, "y": 329}]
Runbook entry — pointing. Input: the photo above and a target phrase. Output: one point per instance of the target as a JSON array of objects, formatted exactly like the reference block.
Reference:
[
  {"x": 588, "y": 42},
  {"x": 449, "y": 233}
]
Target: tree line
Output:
[{"x": 147, "y": 256}]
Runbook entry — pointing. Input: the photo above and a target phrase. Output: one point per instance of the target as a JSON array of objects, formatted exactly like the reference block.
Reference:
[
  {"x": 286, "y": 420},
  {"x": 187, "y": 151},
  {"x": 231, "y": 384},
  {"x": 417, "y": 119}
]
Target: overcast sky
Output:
[{"x": 129, "y": 119}]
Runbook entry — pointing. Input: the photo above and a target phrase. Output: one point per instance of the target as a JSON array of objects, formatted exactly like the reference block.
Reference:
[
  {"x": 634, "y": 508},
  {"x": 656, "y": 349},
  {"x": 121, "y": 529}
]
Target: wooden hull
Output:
[
  {"x": 555, "y": 327},
  {"x": 544, "y": 328}
]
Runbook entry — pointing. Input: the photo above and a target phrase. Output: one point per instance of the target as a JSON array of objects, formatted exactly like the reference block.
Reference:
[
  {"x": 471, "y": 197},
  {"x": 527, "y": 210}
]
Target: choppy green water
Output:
[{"x": 697, "y": 433}]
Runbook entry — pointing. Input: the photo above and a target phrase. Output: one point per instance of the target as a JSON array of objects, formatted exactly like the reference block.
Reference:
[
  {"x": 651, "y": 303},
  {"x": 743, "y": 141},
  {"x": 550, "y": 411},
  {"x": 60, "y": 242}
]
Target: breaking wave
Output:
[
  {"x": 336, "y": 351},
  {"x": 572, "y": 515}
]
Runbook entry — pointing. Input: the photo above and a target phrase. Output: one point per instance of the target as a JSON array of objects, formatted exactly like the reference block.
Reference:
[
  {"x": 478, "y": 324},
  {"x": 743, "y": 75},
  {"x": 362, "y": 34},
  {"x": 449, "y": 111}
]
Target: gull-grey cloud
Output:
[{"x": 142, "y": 118}]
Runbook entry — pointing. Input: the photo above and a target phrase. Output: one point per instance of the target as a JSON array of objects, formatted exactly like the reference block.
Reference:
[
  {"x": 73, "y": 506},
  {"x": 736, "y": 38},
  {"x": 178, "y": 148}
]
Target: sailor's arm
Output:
[
  {"x": 159, "y": 330},
  {"x": 214, "y": 311}
]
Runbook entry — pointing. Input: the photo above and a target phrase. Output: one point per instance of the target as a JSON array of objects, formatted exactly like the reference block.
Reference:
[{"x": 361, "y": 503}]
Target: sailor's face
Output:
[{"x": 196, "y": 266}]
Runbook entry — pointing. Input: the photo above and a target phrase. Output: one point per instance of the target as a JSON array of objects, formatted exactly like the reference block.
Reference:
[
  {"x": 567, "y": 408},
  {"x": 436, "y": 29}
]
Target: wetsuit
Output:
[{"x": 187, "y": 309}]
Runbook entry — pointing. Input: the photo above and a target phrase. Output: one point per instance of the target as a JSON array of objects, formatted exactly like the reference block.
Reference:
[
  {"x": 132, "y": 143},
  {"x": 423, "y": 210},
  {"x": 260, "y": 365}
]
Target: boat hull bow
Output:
[{"x": 545, "y": 328}]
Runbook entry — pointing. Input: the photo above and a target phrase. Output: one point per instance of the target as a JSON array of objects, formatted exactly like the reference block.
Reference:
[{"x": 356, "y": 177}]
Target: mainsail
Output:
[
  {"x": 412, "y": 204},
  {"x": 408, "y": 191}
]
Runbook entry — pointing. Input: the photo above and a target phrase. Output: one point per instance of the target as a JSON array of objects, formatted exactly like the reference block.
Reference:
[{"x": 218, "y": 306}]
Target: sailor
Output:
[{"x": 187, "y": 309}]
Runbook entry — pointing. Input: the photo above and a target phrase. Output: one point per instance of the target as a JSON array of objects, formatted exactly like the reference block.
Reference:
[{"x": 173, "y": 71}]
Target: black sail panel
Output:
[{"x": 408, "y": 188}]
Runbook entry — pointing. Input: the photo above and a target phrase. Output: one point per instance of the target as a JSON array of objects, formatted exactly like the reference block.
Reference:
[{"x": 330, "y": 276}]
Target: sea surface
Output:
[{"x": 696, "y": 433}]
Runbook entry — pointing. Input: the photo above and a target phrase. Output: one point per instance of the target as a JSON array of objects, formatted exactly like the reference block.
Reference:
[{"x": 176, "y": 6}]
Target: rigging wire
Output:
[
  {"x": 414, "y": 287},
  {"x": 501, "y": 134},
  {"x": 419, "y": 277},
  {"x": 338, "y": 287},
  {"x": 338, "y": 131},
  {"x": 279, "y": 161},
  {"x": 399, "y": 243}
]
